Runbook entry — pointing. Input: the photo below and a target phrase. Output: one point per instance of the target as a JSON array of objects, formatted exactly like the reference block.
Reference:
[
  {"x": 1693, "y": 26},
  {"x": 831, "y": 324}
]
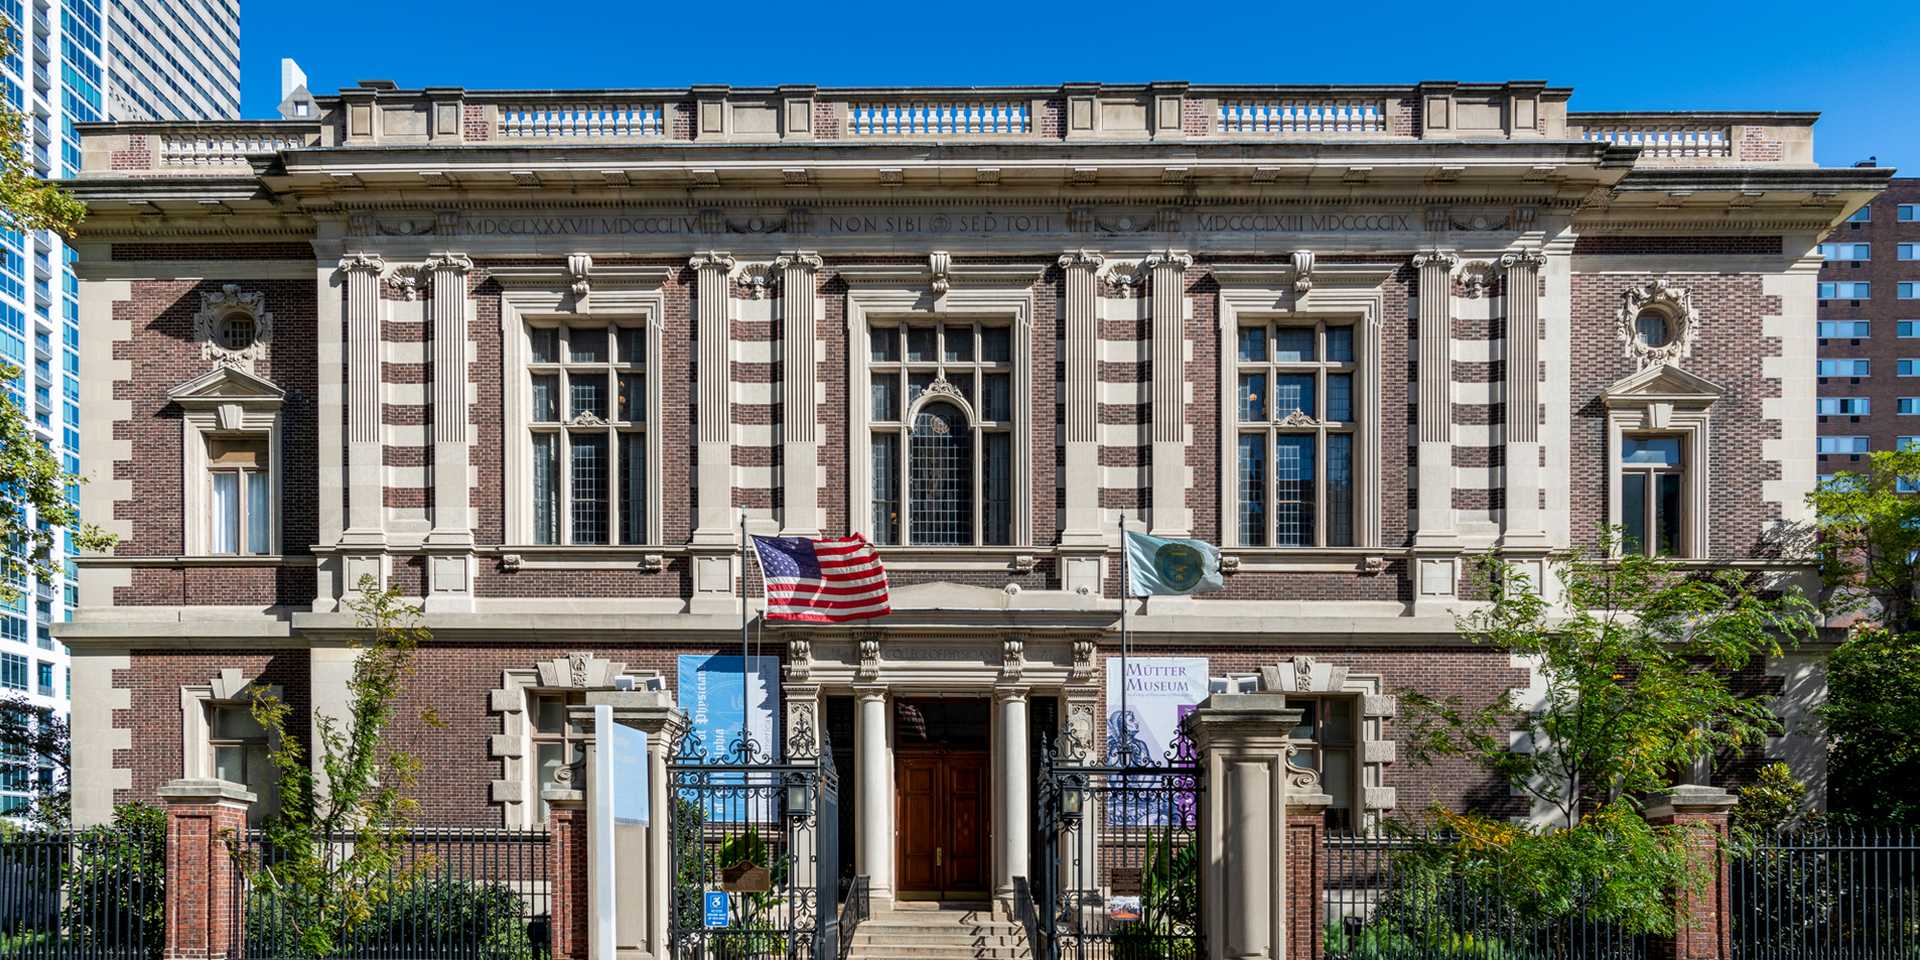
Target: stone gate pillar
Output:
[
  {"x": 631, "y": 853},
  {"x": 1705, "y": 922},
  {"x": 1241, "y": 742},
  {"x": 203, "y": 913}
]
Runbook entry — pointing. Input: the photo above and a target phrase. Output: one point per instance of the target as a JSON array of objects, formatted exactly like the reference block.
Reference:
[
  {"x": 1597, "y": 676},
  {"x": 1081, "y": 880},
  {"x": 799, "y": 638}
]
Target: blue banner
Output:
[{"x": 716, "y": 698}]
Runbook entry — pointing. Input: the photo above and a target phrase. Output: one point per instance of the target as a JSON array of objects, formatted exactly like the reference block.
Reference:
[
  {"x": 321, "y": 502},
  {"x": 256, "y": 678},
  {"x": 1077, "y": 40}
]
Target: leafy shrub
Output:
[
  {"x": 116, "y": 885},
  {"x": 440, "y": 917}
]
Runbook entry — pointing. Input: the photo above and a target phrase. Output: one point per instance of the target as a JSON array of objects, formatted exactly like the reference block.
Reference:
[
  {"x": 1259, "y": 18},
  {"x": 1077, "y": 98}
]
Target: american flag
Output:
[{"x": 824, "y": 581}]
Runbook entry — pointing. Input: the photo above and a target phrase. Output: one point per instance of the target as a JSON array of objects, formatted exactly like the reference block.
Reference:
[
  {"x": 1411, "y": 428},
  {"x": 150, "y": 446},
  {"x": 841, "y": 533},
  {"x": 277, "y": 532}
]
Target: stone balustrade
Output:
[
  {"x": 225, "y": 146},
  {"x": 589, "y": 121},
  {"x": 1668, "y": 141},
  {"x": 934, "y": 118},
  {"x": 1301, "y": 116},
  {"x": 379, "y": 113}
]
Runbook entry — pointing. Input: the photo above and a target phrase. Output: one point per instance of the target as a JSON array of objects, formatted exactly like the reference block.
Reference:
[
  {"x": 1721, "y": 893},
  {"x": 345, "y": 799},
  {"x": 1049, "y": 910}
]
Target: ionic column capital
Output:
[
  {"x": 1086, "y": 260},
  {"x": 1438, "y": 259},
  {"x": 368, "y": 263}
]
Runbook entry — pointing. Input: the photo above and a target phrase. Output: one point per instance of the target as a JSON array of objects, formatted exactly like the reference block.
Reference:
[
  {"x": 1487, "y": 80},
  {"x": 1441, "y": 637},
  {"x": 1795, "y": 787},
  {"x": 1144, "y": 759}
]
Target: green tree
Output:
[
  {"x": 1869, "y": 546},
  {"x": 30, "y": 475},
  {"x": 1869, "y": 539},
  {"x": 41, "y": 738},
  {"x": 321, "y": 889},
  {"x": 1633, "y": 664},
  {"x": 1872, "y": 715}
]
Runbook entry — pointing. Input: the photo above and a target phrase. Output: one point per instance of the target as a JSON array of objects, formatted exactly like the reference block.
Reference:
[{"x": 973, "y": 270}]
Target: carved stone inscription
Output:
[{"x": 958, "y": 222}]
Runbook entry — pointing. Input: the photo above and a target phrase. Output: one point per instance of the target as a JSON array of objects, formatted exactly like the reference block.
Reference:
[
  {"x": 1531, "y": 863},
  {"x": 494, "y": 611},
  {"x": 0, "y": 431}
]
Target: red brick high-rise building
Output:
[{"x": 1870, "y": 330}]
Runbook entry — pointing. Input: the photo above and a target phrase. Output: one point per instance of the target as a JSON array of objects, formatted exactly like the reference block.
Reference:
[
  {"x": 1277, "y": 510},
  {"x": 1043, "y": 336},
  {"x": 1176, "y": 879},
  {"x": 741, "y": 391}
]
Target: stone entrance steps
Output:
[{"x": 939, "y": 931}]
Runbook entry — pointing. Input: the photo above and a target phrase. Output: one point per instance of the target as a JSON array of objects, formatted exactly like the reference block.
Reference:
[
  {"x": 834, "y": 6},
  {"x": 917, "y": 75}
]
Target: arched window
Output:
[{"x": 940, "y": 479}]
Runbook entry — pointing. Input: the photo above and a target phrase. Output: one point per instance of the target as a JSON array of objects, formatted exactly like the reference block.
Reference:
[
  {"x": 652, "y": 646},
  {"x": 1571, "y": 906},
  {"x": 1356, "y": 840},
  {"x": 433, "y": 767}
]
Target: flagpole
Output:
[
  {"x": 746, "y": 686},
  {"x": 1126, "y": 591}
]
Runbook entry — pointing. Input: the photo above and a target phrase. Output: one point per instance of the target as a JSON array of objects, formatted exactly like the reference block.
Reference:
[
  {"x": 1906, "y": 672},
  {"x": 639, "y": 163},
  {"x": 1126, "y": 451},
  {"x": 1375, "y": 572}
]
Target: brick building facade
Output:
[
  {"x": 1870, "y": 330},
  {"x": 531, "y": 358}
]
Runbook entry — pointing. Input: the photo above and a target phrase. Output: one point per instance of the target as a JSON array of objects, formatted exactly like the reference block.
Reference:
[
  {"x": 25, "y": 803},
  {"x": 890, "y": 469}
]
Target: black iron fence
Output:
[
  {"x": 1122, "y": 863},
  {"x": 754, "y": 847},
  {"x": 1827, "y": 893},
  {"x": 443, "y": 894},
  {"x": 1391, "y": 898},
  {"x": 97, "y": 894}
]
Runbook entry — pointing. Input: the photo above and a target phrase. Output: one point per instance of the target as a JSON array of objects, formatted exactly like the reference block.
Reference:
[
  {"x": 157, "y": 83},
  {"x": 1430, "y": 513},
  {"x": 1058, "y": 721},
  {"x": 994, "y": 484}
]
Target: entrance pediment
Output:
[{"x": 949, "y": 595}]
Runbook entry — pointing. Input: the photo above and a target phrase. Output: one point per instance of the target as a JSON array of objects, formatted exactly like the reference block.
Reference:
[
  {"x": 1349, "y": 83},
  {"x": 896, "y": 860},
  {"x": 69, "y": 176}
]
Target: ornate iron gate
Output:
[
  {"x": 754, "y": 852},
  {"x": 1121, "y": 849}
]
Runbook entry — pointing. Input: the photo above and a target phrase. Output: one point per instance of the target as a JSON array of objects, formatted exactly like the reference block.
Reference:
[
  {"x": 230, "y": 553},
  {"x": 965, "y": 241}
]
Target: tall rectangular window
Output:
[
  {"x": 1907, "y": 329},
  {"x": 1908, "y": 251},
  {"x": 587, "y": 404},
  {"x": 1908, "y": 367},
  {"x": 240, "y": 495},
  {"x": 1909, "y": 290},
  {"x": 13, "y": 671},
  {"x": 1908, "y": 212},
  {"x": 940, "y": 404},
  {"x": 1296, "y": 424},
  {"x": 1652, "y": 494},
  {"x": 1909, "y": 406}
]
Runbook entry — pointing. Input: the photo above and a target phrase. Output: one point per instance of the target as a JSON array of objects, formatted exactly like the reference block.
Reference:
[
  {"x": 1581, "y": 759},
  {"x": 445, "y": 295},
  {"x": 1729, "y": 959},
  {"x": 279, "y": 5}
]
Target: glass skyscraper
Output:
[{"x": 74, "y": 61}]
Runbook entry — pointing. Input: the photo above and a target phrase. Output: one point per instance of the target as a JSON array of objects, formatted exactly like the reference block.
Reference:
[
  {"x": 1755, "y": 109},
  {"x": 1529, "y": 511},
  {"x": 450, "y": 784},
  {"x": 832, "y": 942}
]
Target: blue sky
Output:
[{"x": 1861, "y": 70}]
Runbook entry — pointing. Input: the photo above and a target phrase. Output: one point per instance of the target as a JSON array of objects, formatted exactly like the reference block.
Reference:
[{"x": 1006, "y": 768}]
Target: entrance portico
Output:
[{"x": 944, "y": 740}]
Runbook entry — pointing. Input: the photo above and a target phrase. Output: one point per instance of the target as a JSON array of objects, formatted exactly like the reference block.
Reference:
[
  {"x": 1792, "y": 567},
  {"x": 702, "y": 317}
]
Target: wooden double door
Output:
[{"x": 942, "y": 817}]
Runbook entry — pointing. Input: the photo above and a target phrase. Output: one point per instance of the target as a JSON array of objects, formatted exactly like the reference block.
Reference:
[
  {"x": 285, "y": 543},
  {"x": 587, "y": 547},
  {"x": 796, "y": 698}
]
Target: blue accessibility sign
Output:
[{"x": 716, "y": 909}]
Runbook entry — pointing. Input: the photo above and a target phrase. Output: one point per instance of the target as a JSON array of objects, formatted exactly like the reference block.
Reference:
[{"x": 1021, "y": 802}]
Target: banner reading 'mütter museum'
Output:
[{"x": 1161, "y": 691}]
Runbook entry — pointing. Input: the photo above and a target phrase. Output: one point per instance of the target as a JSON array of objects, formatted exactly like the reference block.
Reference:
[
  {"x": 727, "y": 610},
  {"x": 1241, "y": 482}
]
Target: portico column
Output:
[
  {"x": 1434, "y": 576},
  {"x": 1015, "y": 794},
  {"x": 366, "y": 496},
  {"x": 873, "y": 773}
]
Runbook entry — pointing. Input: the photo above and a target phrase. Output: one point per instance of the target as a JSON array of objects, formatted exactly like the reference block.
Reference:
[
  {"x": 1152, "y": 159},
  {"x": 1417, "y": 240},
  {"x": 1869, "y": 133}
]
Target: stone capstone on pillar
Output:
[{"x": 202, "y": 878}]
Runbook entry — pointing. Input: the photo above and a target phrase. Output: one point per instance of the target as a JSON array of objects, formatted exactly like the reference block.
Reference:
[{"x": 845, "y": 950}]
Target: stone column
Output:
[
  {"x": 1705, "y": 922},
  {"x": 450, "y": 561},
  {"x": 567, "y": 871},
  {"x": 1080, "y": 396},
  {"x": 715, "y": 529},
  {"x": 1014, "y": 799},
  {"x": 1171, "y": 517},
  {"x": 1435, "y": 576},
  {"x": 202, "y": 879},
  {"x": 1523, "y": 528},
  {"x": 800, "y": 410},
  {"x": 364, "y": 540},
  {"x": 1241, "y": 740},
  {"x": 873, "y": 774}
]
